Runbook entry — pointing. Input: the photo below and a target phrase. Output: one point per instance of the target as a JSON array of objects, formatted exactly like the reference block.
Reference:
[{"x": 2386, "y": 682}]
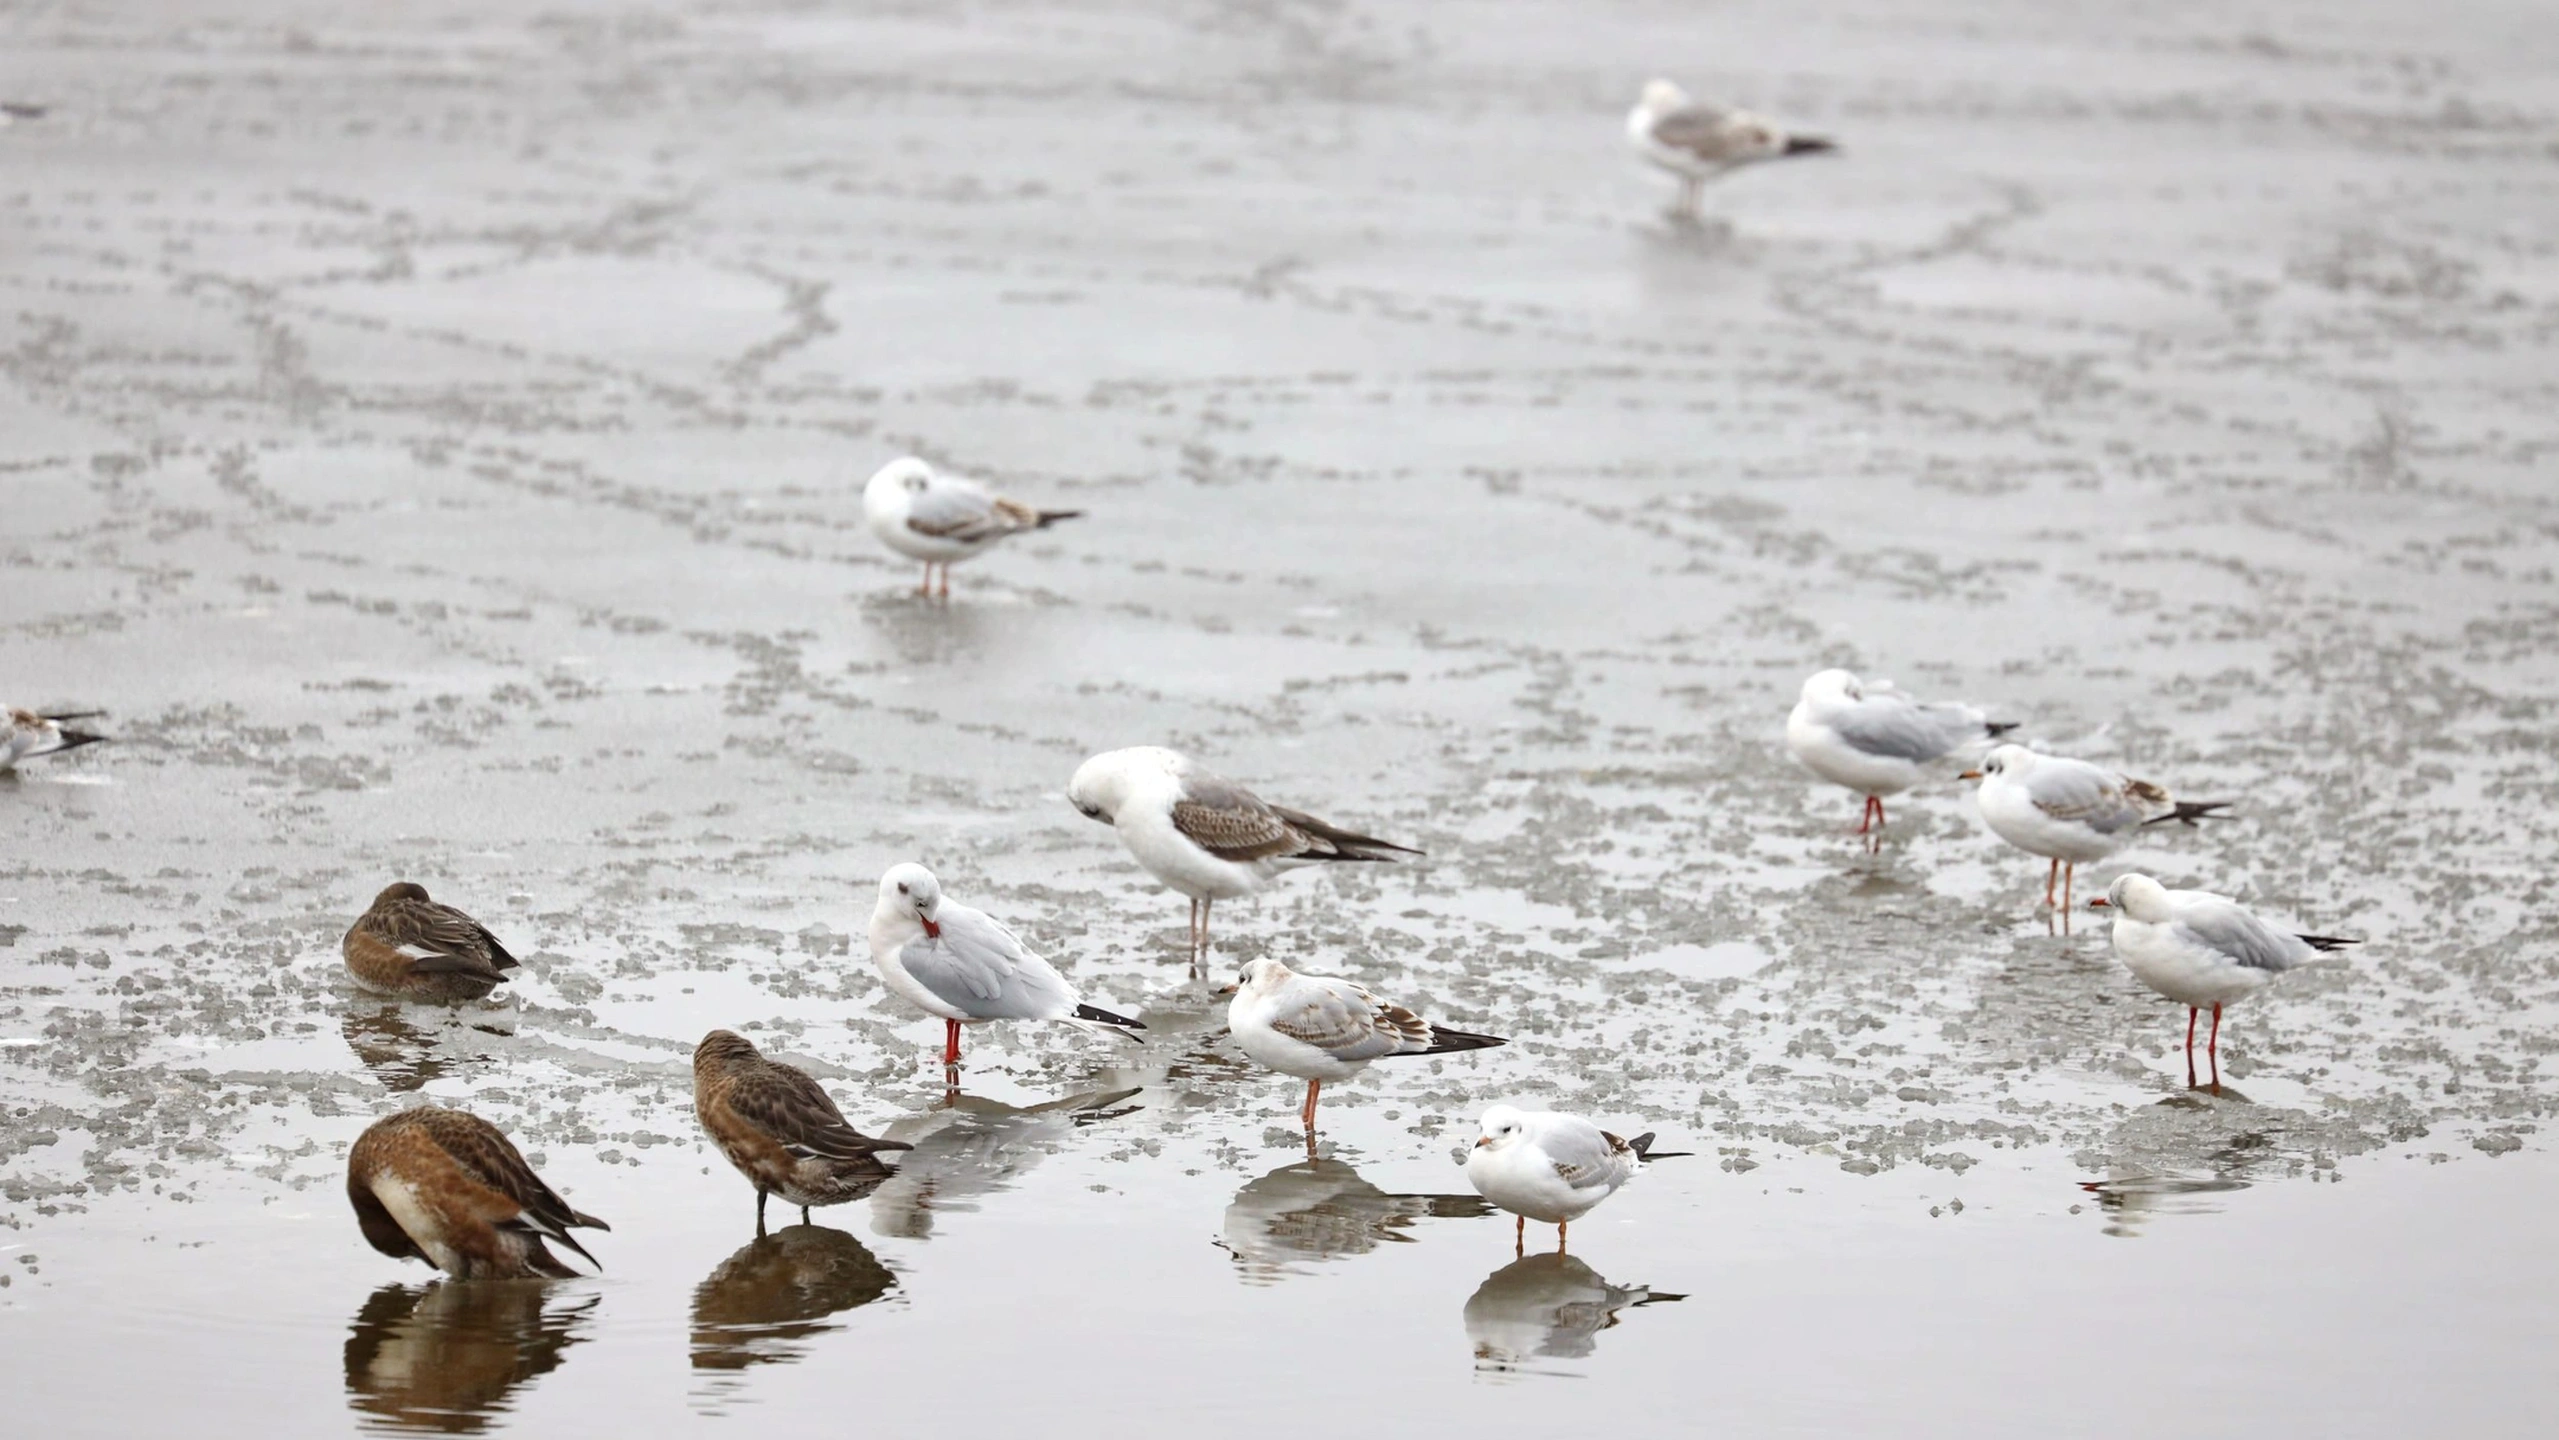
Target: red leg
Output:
[
  {"x": 1519, "y": 1239},
  {"x": 946, "y": 579},
  {"x": 2068, "y": 873},
  {"x": 926, "y": 589},
  {"x": 2051, "y": 874},
  {"x": 1313, "y": 1089},
  {"x": 1201, "y": 959},
  {"x": 2190, "y": 1047},
  {"x": 1878, "y": 802},
  {"x": 2212, "y": 1048},
  {"x": 1560, "y": 1227},
  {"x": 950, "y": 1042},
  {"x": 1866, "y": 815}
]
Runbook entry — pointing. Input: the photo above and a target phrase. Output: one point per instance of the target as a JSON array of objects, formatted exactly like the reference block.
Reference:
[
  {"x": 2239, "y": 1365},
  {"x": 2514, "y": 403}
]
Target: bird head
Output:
[{"x": 911, "y": 889}]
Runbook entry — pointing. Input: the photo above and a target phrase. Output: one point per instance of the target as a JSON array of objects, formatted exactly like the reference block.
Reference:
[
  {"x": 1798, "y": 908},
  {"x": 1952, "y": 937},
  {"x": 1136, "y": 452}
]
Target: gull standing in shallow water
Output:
[
  {"x": 409, "y": 946},
  {"x": 1205, "y": 835},
  {"x": 1699, "y": 142},
  {"x": 32, "y": 733},
  {"x": 1551, "y": 1168},
  {"x": 1320, "y": 1028},
  {"x": 444, "y": 1186},
  {"x": 949, "y": 960},
  {"x": 1875, "y": 740},
  {"x": 936, "y": 518},
  {"x": 2199, "y": 949},
  {"x": 2071, "y": 812},
  {"x": 781, "y": 1129}
]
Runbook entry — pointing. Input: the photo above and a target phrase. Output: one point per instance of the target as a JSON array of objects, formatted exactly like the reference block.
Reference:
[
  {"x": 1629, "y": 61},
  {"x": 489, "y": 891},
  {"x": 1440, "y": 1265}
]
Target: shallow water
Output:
[{"x": 436, "y": 436}]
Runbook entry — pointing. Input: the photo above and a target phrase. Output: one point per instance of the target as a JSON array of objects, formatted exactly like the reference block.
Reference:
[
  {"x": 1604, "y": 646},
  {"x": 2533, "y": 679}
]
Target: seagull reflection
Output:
[
  {"x": 446, "y": 1356},
  {"x": 1317, "y": 1210},
  {"x": 402, "y": 1056},
  {"x": 2172, "y": 1157},
  {"x": 972, "y": 1146},
  {"x": 1549, "y": 1306},
  {"x": 778, "y": 1289}
]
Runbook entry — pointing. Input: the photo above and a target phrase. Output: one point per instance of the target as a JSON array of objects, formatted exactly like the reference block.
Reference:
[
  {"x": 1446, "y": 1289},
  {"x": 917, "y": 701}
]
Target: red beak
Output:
[
  {"x": 2097, "y": 904},
  {"x": 930, "y": 928}
]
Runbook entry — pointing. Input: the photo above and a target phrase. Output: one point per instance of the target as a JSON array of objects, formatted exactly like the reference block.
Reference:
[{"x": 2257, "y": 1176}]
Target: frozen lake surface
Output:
[{"x": 435, "y": 434}]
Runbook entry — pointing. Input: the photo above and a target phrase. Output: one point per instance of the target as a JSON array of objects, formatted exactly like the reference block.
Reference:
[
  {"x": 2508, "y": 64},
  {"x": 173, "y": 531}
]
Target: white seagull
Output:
[
  {"x": 32, "y": 733},
  {"x": 949, "y": 960},
  {"x": 1202, "y": 833},
  {"x": 937, "y": 518},
  {"x": 1698, "y": 142},
  {"x": 1551, "y": 1168},
  {"x": 1320, "y": 1028},
  {"x": 1876, "y": 740},
  {"x": 2199, "y": 949},
  {"x": 2071, "y": 812}
]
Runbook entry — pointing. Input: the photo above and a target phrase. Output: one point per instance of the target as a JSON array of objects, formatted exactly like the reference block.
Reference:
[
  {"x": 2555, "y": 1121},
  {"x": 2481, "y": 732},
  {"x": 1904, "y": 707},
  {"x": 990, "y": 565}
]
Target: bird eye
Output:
[{"x": 901, "y": 889}]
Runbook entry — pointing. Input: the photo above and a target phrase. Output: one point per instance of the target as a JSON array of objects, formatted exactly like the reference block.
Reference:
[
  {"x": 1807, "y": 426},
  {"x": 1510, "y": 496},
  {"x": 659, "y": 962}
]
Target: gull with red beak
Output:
[
  {"x": 2200, "y": 949},
  {"x": 960, "y": 964}
]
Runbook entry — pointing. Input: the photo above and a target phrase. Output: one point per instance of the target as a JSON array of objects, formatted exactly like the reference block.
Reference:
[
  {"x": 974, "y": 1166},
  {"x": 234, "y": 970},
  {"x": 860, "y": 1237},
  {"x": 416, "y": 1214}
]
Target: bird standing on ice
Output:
[
  {"x": 1205, "y": 835},
  {"x": 938, "y": 518},
  {"x": 1877, "y": 741},
  {"x": 781, "y": 1129},
  {"x": 1551, "y": 1168},
  {"x": 958, "y": 963},
  {"x": 2071, "y": 812},
  {"x": 32, "y": 733},
  {"x": 2199, "y": 949},
  {"x": 1319, "y": 1028},
  {"x": 1698, "y": 142}
]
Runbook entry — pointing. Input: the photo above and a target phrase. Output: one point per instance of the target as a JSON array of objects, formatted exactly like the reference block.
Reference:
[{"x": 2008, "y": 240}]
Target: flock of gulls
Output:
[{"x": 446, "y": 1187}]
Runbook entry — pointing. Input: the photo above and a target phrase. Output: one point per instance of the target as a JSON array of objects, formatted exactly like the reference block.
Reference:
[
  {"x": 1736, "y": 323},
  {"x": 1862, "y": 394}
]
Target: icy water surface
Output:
[{"x": 435, "y": 436}]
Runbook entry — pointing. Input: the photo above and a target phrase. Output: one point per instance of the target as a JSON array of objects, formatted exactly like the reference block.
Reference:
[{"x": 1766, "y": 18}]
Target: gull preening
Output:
[
  {"x": 781, "y": 1129},
  {"x": 1699, "y": 142},
  {"x": 2071, "y": 812},
  {"x": 33, "y": 732},
  {"x": 949, "y": 960},
  {"x": 1319, "y": 1028},
  {"x": 1203, "y": 834},
  {"x": 445, "y": 1187},
  {"x": 936, "y": 518},
  {"x": 2200, "y": 949},
  {"x": 1877, "y": 741},
  {"x": 1551, "y": 1168},
  {"x": 410, "y": 946}
]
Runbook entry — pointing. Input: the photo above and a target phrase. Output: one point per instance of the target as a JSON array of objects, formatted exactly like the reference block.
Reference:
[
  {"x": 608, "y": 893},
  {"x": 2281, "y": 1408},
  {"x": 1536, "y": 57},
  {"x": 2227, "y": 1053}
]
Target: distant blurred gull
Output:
[
  {"x": 949, "y": 960},
  {"x": 1698, "y": 142},
  {"x": 1320, "y": 1028},
  {"x": 2071, "y": 812},
  {"x": 940, "y": 518},
  {"x": 1203, "y": 834},
  {"x": 1877, "y": 741},
  {"x": 2199, "y": 949},
  {"x": 32, "y": 733},
  {"x": 1551, "y": 1168}
]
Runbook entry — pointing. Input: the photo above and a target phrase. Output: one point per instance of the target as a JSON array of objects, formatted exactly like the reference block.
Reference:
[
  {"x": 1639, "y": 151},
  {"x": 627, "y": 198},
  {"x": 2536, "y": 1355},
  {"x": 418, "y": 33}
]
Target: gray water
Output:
[{"x": 435, "y": 436}]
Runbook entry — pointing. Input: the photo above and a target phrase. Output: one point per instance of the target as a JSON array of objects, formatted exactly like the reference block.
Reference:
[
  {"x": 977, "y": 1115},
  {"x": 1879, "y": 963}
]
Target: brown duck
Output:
[
  {"x": 780, "y": 1128},
  {"x": 445, "y": 1187},
  {"x": 409, "y": 946}
]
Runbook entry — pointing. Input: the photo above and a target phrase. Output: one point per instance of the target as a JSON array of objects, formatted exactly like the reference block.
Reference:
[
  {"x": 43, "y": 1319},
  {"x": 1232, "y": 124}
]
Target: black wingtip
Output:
[
  {"x": 1445, "y": 1041},
  {"x": 74, "y": 739},
  {"x": 1642, "y": 1145},
  {"x": 2001, "y": 727},
  {"x": 1105, "y": 1017},
  {"x": 2324, "y": 944},
  {"x": 2190, "y": 811},
  {"x": 1051, "y": 517},
  {"x": 1810, "y": 145}
]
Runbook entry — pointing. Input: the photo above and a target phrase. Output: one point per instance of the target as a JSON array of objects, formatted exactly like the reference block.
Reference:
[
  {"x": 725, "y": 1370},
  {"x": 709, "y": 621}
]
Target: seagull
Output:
[
  {"x": 2199, "y": 949},
  {"x": 781, "y": 1129},
  {"x": 939, "y": 518},
  {"x": 1323, "y": 1210},
  {"x": 949, "y": 960},
  {"x": 2071, "y": 812},
  {"x": 443, "y": 1186},
  {"x": 412, "y": 947},
  {"x": 1202, "y": 833},
  {"x": 13, "y": 111},
  {"x": 32, "y": 733},
  {"x": 1875, "y": 740},
  {"x": 1699, "y": 142},
  {"x": 1551, "y": 1168},
  {"x": 1547, "y": 1305},
  {"x": 1320, "y": 1028}
]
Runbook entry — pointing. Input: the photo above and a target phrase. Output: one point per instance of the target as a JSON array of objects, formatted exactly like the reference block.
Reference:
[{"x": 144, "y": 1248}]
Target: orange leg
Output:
[
  {"x": 1313, "y": 1089},
  {"x": 1519, "y": 1239},
  {"x": 2212, "y": 1048},
  {"x": 2052, "y": 874},
  {"x": 2068, "y": 873},
  {"x": 1560, "y": 1227},
  {"x": 2190, "y": 1047}
]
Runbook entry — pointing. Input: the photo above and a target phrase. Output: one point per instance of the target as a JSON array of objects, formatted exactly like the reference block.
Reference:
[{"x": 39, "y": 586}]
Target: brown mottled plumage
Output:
[
  {"x": 408, "y": 945},
  {"x": 445, "y": 1187},
  {"x": 781, "y": 1129}
]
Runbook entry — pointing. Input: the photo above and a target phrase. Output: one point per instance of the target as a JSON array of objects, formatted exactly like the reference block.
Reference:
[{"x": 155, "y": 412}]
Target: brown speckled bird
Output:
[
  {"x": 780, "y": 1129},
  {"x": 409, "y": 946},
  {"x": 445, "y": 1187}
]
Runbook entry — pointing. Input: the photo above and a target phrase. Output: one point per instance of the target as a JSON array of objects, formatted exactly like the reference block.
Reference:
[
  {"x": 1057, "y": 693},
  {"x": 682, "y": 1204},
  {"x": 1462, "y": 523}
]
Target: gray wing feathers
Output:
[
  {"x": 2223, "y": 926},
  {"x": 1339, "y": 1018},
  {"x": 2076, "y": 790},
  {"x": 1705, "y": 131},
  {"x": 1582, "y": 1155},
  {"x": 979, "y": 966},
  {"x": 1905, "y": 731}
]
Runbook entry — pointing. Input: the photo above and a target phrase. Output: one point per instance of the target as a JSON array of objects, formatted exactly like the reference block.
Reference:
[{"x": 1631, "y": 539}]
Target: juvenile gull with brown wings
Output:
[
  {"x": 2071, "y": 812},
  {"x": 1698, "y": 142},
  {"x": 1205, "y": 835},
  {"x": 32, "y": 733},
  {"x": 1319, "y": 1028},
  {"x": 925, "y": 515}
]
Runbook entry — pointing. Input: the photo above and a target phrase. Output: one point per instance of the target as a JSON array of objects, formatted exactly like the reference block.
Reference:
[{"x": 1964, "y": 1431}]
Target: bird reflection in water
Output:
[
  {"x": 778, "y": 1290},
  {"x": 1318, "y": 1210},
  {"x": 403, "y": 1056},
  {"x": 2174, "y": 1157},
  {"x": 447, "y": 1356},
  {"x": 970, "y": 1146},
  {"x": 1546, "y": 1307}
]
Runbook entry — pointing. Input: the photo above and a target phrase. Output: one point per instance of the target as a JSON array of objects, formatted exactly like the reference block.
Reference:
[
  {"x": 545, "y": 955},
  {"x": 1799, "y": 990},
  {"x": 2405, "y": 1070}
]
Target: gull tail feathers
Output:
[
  {"x": 1642, "y": 1145},
  {"x": 1046, "y": 518},
  {"x": 1343, "y": 844},
  {"x": 1444, "y": 1041},
  {"x": 1810, "y": 145},
  {"x": 2327, "y": 944},
  {"x": 2190, "y": 811},
  {"x": 1105, "y": 1022}
]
